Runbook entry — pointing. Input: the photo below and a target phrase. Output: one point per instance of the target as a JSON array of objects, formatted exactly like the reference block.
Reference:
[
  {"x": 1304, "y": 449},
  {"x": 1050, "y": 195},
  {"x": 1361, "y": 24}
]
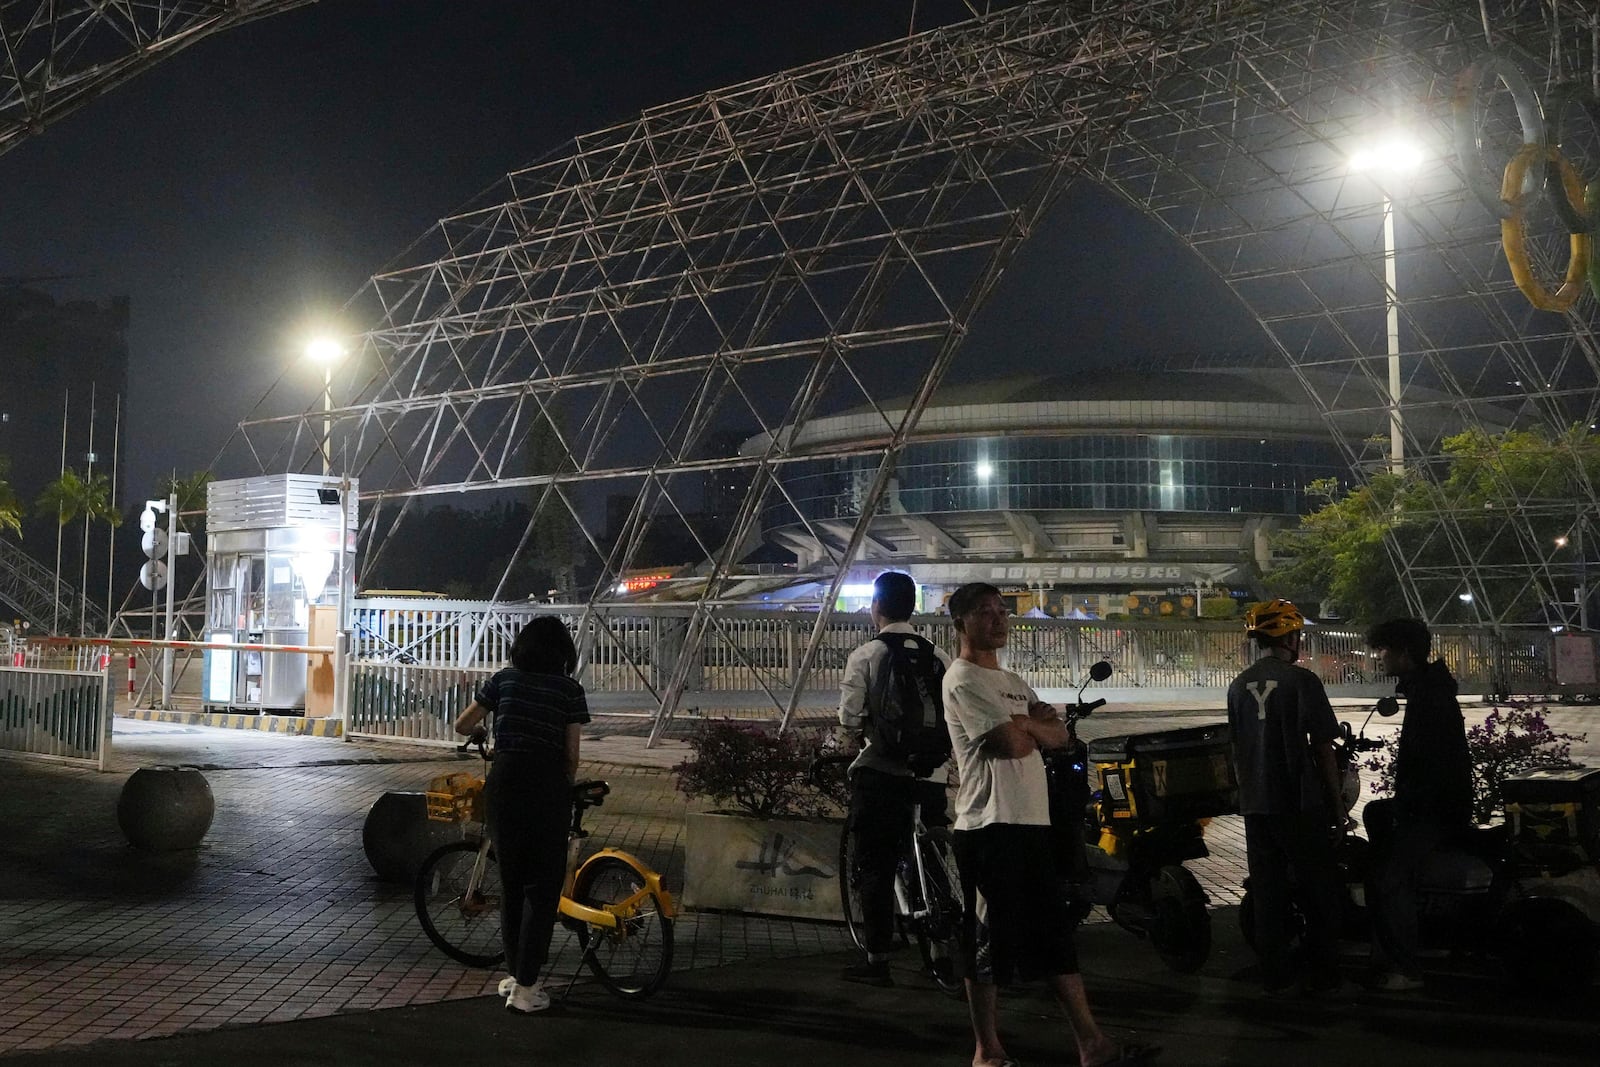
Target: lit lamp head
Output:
[
  {"x": 1395, "y": 154},
  {"x": 324, "y": 350}
]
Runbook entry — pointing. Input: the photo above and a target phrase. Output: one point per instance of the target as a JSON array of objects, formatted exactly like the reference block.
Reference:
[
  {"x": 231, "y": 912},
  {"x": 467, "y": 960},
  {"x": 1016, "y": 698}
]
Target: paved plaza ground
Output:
[{"x": 274, "y": 942}]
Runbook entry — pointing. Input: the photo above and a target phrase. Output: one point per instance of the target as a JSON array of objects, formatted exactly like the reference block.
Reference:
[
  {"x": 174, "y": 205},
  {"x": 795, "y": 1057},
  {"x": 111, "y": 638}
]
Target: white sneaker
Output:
[
  {"x": 507, "y": 984},
  {"x": 527, "y": 999}
]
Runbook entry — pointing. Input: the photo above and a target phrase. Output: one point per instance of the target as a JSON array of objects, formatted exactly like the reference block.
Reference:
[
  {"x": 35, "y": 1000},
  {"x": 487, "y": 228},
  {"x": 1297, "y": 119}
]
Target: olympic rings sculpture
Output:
[{"x": 1536, "y": 167}]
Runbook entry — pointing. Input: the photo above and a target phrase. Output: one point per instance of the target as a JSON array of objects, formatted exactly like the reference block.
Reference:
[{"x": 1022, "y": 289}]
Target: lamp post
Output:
[
  {"x": 1396, "y": 155},
  {"x": 326, "y": 351},
  {"x": 1581, "y": 593}
]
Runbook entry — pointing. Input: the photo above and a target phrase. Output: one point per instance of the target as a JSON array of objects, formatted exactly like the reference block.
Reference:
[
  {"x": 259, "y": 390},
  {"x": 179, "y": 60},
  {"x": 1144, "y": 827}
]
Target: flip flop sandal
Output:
[{"x": 1132, "y": 1054}]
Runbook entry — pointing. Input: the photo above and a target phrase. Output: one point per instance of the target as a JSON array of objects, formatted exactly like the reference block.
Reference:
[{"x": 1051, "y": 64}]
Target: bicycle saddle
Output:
[{"x": 590, "y": 794}]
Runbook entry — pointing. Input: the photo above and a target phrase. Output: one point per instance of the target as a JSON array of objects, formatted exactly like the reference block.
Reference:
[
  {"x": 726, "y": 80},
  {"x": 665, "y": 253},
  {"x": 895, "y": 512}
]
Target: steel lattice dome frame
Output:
[{"x": 813, "y": 241}]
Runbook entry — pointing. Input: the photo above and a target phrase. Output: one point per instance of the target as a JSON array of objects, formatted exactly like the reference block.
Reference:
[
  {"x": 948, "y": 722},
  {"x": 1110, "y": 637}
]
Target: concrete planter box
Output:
[{"x": 784, "y": 866}]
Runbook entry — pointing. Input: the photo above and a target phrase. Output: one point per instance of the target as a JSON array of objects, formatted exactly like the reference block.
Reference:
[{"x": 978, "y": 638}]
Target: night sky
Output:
[{"x": 244, "y": 190}]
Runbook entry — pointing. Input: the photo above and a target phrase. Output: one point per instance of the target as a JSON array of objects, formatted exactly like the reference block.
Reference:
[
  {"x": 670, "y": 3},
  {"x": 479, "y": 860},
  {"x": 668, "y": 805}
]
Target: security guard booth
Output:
[{"x": 273, "y": 560}]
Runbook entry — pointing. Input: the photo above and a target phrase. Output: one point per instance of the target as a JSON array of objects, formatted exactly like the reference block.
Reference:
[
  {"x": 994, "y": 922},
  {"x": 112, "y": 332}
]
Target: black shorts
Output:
[{"x": 1024, "y": 931}]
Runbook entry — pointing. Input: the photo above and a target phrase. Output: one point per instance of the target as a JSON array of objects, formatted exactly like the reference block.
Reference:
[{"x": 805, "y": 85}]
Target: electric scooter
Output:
[
  {"x": 1523, "y": 894},
  {"x": 1128, "y": 811}
]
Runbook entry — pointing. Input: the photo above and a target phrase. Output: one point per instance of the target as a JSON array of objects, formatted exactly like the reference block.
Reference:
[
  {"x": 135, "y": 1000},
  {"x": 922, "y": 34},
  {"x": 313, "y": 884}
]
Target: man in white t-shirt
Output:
[{"x": 1014, "y": 925}]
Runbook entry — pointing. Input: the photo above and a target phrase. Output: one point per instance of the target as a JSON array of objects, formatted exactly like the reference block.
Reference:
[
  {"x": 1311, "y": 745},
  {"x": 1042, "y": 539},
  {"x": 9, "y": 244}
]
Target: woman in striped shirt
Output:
[{"x": 538, "y": 712}]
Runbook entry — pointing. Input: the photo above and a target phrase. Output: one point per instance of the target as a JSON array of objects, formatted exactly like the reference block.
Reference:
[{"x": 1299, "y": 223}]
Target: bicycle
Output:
[
  {"x": 613, "y": 902},
  {"x": 927, "y": 891}
]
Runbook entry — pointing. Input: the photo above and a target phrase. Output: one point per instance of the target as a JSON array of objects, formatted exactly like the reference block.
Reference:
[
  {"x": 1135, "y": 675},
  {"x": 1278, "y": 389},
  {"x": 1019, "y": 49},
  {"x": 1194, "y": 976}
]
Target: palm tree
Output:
[
  {"x": 10, "y": 506},
  {"x": 191, "y": 493},
  {"x": 74, "y": 496}
]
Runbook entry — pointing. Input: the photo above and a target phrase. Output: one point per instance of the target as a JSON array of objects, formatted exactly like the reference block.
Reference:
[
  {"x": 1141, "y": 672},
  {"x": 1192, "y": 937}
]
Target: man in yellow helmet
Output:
[{"x": 1283, "y": 734}]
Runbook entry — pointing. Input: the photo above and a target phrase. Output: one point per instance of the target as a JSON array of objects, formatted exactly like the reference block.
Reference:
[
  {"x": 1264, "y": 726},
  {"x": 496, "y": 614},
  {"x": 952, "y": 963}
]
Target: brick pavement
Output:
[{"x": 278, "y": 916}]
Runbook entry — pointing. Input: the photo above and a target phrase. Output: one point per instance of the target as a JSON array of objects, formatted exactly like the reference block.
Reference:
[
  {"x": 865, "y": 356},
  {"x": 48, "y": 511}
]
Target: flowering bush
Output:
[
  {"x": 1510, "y": 740},
  {"x": 758, "y": 771}
]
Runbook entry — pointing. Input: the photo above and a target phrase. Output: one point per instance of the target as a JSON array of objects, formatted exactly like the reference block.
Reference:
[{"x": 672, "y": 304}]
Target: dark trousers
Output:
[
  {"x": 880, "y": 819},
  {"x": 1014, "y": 926},
  {"x": 1291, "y": 860},
  {"x": 1400, "y": 845},
  {"x": 530, "y": 808}
]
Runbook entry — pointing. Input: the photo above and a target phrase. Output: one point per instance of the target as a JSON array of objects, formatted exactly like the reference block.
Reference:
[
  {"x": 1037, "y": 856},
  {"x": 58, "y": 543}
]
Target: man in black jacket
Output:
[{"x": 1432, "y": 796}]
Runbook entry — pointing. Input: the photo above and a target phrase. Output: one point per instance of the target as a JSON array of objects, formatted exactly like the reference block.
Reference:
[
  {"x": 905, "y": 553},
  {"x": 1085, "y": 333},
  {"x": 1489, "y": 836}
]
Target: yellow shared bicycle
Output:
[{"x": 612, "y": 902}]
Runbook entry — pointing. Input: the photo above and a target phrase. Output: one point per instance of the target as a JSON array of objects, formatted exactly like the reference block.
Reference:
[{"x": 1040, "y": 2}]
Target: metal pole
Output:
[
  {"x": 55, "y": 593},
  {"x": 341, "y": 655},
  {"x": 88, "y": 479},
  {"x": 1397, "y": 446},
  {"x": 1583, "y": 581},
  {"x": 327, "y": 426},
  {"x": 172, "y": 622},
  {"x": 111, "y": 542}
]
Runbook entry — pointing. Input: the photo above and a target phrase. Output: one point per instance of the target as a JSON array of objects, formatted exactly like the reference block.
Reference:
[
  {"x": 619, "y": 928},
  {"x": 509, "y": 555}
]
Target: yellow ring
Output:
[
  {"x": 1591, "y": 200},
  {"x": 1514, "y": 236}
]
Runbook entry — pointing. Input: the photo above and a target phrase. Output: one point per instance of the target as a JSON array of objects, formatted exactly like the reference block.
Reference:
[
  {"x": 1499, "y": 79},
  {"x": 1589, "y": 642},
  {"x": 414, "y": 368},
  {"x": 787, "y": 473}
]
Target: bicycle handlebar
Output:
[{"x": 820, "y": 760}]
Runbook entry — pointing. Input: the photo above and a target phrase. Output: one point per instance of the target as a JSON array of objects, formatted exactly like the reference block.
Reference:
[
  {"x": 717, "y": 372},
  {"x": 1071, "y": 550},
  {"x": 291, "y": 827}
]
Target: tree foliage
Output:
[
  {"x": 1510, "y": 740},
  {"x": 1491, "y": 518},
  {"x": 191, "y": 493},
  {"x": 10, "y": 505},
  {"x": 75, "y": 496},
  {"x": 761, "y": 772}
]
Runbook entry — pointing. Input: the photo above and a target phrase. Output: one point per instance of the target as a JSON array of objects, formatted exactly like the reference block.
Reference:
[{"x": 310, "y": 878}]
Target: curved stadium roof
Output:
[{"x": 1217, "y": 402}]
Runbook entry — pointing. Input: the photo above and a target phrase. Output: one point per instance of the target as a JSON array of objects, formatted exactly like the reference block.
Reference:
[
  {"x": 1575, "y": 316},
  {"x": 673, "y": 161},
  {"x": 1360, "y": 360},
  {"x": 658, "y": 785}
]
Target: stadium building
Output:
[{"x": 1133, "y": 492}]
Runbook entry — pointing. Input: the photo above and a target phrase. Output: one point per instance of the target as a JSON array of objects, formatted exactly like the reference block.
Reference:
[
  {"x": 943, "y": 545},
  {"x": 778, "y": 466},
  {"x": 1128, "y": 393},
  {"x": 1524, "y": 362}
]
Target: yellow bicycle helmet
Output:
[{"x": 1274, "y": 618}]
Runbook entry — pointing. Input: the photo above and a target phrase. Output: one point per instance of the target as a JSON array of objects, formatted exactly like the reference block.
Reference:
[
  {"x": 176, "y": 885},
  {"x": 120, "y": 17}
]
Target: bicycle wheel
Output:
[
  {"x": 633, "y": 959},
  {"x": 462, "y": 919},
  {"x": 850, "y": 886},
  {"x": 938, "y": 933}
]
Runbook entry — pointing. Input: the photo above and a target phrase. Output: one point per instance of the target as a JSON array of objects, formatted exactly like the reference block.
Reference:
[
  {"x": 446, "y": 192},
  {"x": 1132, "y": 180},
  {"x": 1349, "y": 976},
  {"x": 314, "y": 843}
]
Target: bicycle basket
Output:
[{"x": 455, "y": 798}]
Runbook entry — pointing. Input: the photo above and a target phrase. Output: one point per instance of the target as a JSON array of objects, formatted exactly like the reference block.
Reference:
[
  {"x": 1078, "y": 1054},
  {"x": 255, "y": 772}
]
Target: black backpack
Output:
[{"x": 905, "y": 710}]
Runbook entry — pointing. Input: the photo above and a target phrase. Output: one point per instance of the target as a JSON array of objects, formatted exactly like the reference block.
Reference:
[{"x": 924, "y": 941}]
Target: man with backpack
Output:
[{"x": 891, "y": 693}]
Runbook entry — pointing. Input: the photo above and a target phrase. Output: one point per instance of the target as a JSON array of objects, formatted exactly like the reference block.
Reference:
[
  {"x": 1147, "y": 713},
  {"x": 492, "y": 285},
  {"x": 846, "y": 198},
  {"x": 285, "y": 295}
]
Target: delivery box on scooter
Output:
[
  {"x": 1169, "y": 776},
  {"x": 1555, "y": 815}
]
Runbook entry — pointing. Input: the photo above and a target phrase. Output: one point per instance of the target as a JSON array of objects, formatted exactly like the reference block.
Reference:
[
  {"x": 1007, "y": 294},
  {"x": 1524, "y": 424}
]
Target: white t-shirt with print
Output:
[{"x": 992, "y": 790}]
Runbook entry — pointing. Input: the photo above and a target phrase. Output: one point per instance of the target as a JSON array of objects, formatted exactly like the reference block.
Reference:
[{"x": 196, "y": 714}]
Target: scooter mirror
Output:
[
  {"x": 1100, "y": 671},
  {"x": 1388, "y": 706},
  {"x": 1345, "y": 731}
]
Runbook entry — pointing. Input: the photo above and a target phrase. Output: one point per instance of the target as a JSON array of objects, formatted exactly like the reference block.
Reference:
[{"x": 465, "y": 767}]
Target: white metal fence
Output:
[
  {"x": 417, "y": 662},
  {"x": 58, "y": 714}
]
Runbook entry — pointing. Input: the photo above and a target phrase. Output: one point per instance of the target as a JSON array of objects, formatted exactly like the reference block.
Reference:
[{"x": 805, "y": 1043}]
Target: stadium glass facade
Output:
[{"x": 1154, "y": 472}]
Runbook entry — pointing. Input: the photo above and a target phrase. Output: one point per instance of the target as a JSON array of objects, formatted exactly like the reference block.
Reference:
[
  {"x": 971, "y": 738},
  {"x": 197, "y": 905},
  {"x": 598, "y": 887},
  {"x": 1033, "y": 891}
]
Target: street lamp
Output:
[
  {"x": 1395, "y": 155},
  {"x": 1581, "y": 593},
  {"x": 326, "y": 351}
]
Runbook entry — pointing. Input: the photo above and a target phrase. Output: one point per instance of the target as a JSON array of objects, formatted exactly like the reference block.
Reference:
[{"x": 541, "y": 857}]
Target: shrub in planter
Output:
[
  {"x": 776, "y": 852},
  {"x": 758, "y": 771},
  {"x": 1511, "y": 739}
]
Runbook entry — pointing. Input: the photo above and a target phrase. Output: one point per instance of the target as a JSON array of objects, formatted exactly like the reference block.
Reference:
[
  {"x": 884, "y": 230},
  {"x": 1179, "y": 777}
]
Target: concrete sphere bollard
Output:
[
  {"x": 164, "y": 809},
  {"x": 398, "y": 835}
]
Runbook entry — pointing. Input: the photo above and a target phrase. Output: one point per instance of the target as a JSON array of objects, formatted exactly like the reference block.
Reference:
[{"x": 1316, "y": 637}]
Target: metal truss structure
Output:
[
  {"x": 609, "y": 325},
  {"x": 57, "y": 55},
  {"x": 35, "y": 593}
]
